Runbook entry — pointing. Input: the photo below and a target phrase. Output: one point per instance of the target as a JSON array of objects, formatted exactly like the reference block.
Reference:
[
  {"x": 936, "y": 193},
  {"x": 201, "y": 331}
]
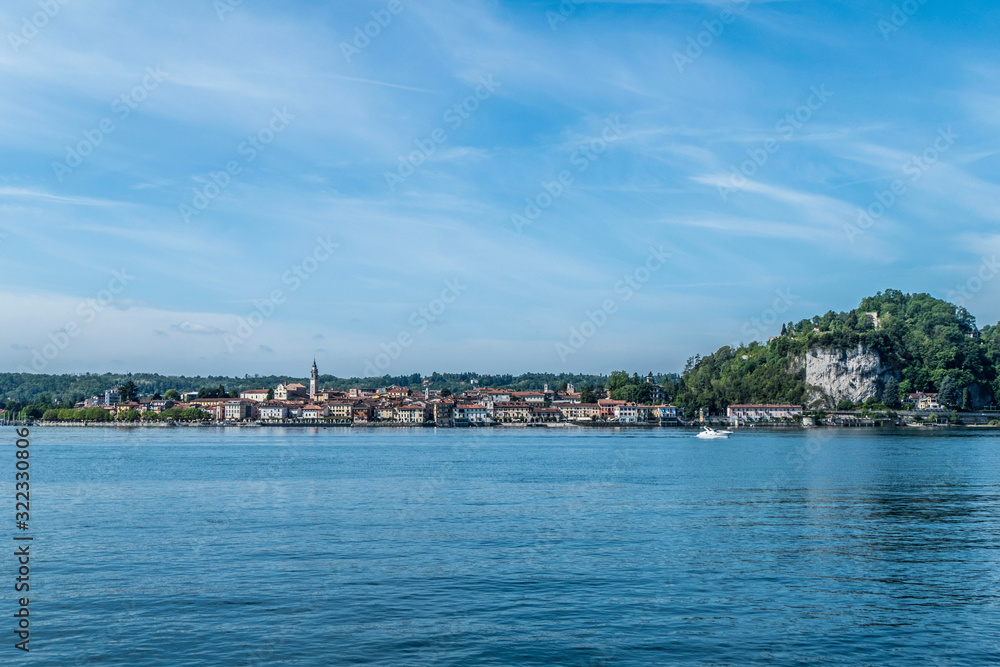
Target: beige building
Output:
[
  {"x": 290, "y": 391},
  {"x": 411, "y": 414},
  {"x": 238, "y": 409},
  {"x": 340, "y": 410},
  {"x": 511, "y": 412},
  {"x": 580, "y": 411}
]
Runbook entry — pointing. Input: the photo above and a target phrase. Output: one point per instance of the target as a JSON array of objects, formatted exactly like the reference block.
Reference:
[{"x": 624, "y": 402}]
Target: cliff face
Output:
[{"x": 834, "y": 375}]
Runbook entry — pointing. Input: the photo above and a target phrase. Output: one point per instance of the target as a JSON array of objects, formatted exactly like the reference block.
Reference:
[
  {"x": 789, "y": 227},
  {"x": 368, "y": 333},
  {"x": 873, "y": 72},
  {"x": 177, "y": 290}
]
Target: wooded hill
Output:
[{"x": 931, "y": 345}]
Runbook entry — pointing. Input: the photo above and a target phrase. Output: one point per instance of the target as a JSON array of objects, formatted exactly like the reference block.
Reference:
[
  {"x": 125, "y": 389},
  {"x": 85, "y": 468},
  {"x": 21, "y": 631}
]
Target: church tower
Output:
[{"x": 313, "y": 381}]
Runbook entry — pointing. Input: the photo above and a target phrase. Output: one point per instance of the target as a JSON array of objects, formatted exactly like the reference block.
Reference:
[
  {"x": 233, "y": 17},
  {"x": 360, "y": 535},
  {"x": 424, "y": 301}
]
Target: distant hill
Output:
[{"x": 892, "y": 344}]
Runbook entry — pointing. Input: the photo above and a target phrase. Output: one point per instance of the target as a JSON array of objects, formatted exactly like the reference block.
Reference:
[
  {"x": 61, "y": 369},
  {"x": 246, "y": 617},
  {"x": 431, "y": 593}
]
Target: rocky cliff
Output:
[{"x": 834, "y": 375}]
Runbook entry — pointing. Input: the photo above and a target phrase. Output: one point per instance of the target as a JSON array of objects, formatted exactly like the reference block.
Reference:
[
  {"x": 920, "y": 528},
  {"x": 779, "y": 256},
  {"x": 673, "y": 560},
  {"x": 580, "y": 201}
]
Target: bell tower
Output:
[{"x": 313, "y": 381}]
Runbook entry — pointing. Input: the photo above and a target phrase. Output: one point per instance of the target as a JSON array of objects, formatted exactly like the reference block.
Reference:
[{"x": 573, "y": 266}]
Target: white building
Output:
[
  {"x": 627, "y": 413},
  {"x": 763, "y": 412},
  {"x": 315, "y": 411},
  {"x": 665, "y": 412},
  {"x": 273, "y": 411}
]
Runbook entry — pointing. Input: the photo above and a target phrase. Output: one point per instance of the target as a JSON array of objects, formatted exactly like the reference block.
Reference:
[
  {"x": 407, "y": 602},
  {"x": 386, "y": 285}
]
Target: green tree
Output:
[
  {"x": 270, "y": 394},
  {"x": 129, "y": 415},
  {"x": 128, "y": 392},
  {"x": 949, "y": 393},
  {"x": 890, "y": 393},
  {"x": 617, "y": 380},
  {"x": 172, "y": 395},
  {"x": 50, "y": 415},
  {"x": 445, "y": 393},
  {"x": 587, "y": 394}
]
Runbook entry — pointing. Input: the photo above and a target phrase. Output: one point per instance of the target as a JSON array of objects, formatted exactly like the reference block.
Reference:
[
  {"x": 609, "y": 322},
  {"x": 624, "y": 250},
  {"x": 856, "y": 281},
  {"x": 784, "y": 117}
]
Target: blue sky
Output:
[{"x": 242, "y": 170}]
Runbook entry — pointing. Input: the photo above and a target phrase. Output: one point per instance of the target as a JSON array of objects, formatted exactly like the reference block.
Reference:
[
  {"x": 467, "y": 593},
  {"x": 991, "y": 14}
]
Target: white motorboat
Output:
[{"x": 709, "y": 432}]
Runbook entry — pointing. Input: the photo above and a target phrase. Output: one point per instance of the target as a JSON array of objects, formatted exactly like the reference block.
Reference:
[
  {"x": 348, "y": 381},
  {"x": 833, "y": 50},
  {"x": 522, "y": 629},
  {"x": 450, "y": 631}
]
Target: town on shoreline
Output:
[{"x": 294, "y": 404}]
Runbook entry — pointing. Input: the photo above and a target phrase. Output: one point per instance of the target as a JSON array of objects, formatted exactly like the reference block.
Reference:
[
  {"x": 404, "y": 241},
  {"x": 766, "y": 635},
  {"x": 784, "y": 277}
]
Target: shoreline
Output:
[{"x": 546, "y": 425}]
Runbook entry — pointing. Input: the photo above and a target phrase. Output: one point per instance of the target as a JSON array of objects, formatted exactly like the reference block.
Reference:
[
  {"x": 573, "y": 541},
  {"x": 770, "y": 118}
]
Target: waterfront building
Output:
[
  {"x": 472, "y": 413},
  {"x": 237, "y": 409},
  {"x": 763, "y": 412},
  {"x": 444, "y": 412},
  {"x": 539, "y": 414},
  {"x": 608, "y": 406},
  {"x": 315, "y": 411},
  {"x": 273, "y": 410},
  {"x": 665, "y": 413},
  {"x": 339, "y": 409},
  {"x": 411, "y": 414},
  {"x": 509, "y": 411},
  {"x": 580, "y": 411}
]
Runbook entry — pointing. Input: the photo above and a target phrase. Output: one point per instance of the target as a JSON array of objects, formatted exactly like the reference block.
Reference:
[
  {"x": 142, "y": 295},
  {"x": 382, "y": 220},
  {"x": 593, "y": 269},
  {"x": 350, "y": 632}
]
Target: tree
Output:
[
  {"x": 157, "y": 397},
  {"x": 949, "y": 393},
  {"x": 890, "y": 393},
  {"x": 128, "y": 392},
  {"x": 270, "y": 394},
  {"x": 617, "y": 380},
  {"x": 845, "y": 405},
  {"x": 587, "y": 394},
  {"x": 172, "y": 395},
  {"x": 445, "y": 393}
]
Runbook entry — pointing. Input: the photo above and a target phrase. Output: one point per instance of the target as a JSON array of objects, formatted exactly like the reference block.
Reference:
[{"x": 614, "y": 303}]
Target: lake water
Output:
[{"x": 504, "y": 547}]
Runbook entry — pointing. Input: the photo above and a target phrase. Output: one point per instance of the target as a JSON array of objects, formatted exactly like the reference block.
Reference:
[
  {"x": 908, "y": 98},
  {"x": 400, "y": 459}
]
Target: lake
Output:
[{"x": 203, "y": 546}]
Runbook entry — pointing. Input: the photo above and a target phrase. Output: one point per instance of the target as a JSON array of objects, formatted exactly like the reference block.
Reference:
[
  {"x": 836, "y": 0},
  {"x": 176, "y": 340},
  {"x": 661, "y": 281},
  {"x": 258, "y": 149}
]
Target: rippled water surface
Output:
[{"x": 502, "y": 547}]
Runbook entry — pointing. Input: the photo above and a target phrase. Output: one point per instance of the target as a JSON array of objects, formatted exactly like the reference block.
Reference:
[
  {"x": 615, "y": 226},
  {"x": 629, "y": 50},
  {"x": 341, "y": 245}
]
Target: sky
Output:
[{"x": 236, "y": 187}]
